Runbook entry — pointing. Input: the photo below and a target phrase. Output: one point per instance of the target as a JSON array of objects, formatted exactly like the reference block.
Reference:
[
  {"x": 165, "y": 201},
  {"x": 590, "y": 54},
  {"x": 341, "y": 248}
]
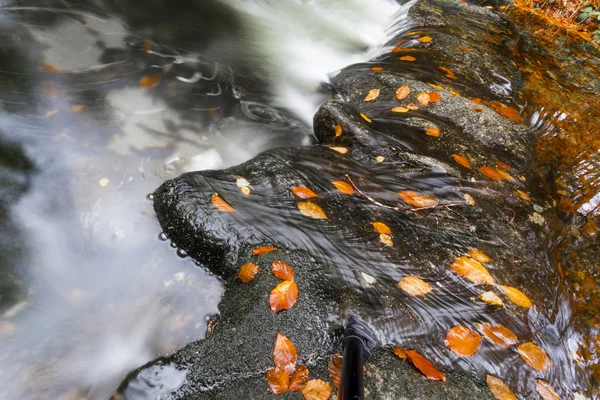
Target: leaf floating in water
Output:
[
  {"x": 402, "y": 92},
  {"x": 44, "y": 66},
  {"x": 545, "y": 390},
  {"x": 283, "y": 297},
  {"x": 407, "y": 58},
  {"x": 491, "y": 298},
  {"x": 343, "y": 187},
  {"x": 516, "y": 296},
  {"x": 303, "y": 192},
  {"x": 221, "y": 204},
  {"x": 316, "y": 389},
  {"x": 534, "y": 356},
  {"x": 472, "y": 270},
  {"x": 376, "y": 69},
  {"x": 414, "y": 286},
  {"x": 334, "y": 368},
  {"x": 150, "y": 81},
  {"x": 425, "y": 39},
  {"x": 400, "y": 109},
  {"x": 262, "y": 250},
  {"x": 448, "y": 72},
  {"x": 498, "y": 334},
  {"x": 365, "y": 117},
  {"x": 418, "y": 200},
  {"x": 284, "y": 354},
  {"x": 499, "y": 389},
  {"x": 421, "y": 363},
  {"x": 479, "y": 256},
  {"x": 338, "y": 130},
  {"x": 423, "y": 98},
  {"x": 433, "y": 131},
  {"x": 282, "y": 270},
  {"x": 434, "y": 97},
  {"x": 311, "y": 210},
  {"x": 490, "y": 173},
  {"x": 462, "y": 341},
  {"x": 247, "y": 272},
  {"x": 399, "y": 351},
  {"x": 386, "y": 239},
  {"x": 382, "y": 228},
  {"x": 523, "y": 195},
  {"x": 277, "y": 380},
  {"x": 341, "y": 150},
  {"x": 372, "y": 95},
  {"x": 462, "y": 160},
  {"x": 299, "y": 378}
]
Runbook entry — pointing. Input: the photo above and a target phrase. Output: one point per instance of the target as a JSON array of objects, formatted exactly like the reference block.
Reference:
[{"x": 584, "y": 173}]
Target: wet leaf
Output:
[
  {"x": 472, "y": 270},
  {"x": 316, "y": 389},
  {"x": 380, "y": 158},
  {"x": 498, "y": 334},
  {"x": 334, "y": 367},
  {"x": 499, "y": 389},
  {"x": 462, "y": 160},
  {"x": 423, "y": 98},
  {"x": 247, "y": 272},
  {"x": 147, "y": 46},
  {"x": 372, "y": 95},
  {"x": 402, "y": 92},
  {"x": 282, "y": 270},
  {"x": 448, "y": 72},
  {"x": 433, "y": 131},
  {"x": 462, "y": 340},
  {"x": 243, "y": 184},
  {"x": 262, "y": 250},
  {"x": 343, "y": 187},
  {"x": 299, "y": 378},
  {"x": 365, "y": 117},
  {"x": 221, "y": 204},
  {"x": 376, "y": 69},
  {"x": 479, "y": 256},
  {"x": 506, "y": 111},
  {"x": 478, "y": 109},
  {"x": 277, "y": 380},
  {"x": 44, "y": 66},
  {"x": 341, "y": 150},
  {"x": 490, "y": 173},
  {"x": 338, "y": 130},
  {"x": 425, "y": 366},
  {"x": 418, "y": 200},
  {"x": 283, "y": 296},
  {"x": 503, "y": 165},
  {"x": 469, "y": 199},
  {"x": 150, "y": 81},
  {"x": 407, "y": 58},
  {"x": 413, "y": 33},
  {"x": 400, "y": 352},
  {"x": 545, "y": 390},
  {"x": 414, "y": 286},
  {"x": 400, "y": 109},
  {"x": 453, "y": 92},
  {"x": 505, "y": 175},
  {"x": 412, "y": 106},
  {"x": 534, "y": 356},
  {"x": 303, "y": 192},
  {"x": 516, "y": 296},
  {"x": 464, "y": 49},
  {"x": 438, "y": 87},
  {"x": 491, "y": 298},
  {"x": 311, "y": 210},
  {"x": 284, "y": 354},
  {"x": 425, "y": 39},
  {"x": 476, "y": 100},
  {"x": 523, "y": 195},
  {"x": 77, "y": 108},
  {"x": 386, "y": 239},
  {"x": 434, "y": 97},
  {"x": 382, "y": 228}
]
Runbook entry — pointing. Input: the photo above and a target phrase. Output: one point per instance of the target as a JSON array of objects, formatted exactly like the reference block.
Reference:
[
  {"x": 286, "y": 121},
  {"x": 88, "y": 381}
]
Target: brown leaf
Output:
[
  {"x": 462, "y": 341},
  {"x": 386, "y": 239},
  {"x": 425, "y": 39},
  {"x": 299, "y": 378},
  {"x": 150, "y": 80},
  {"x": 382, "y": 228},
  {"x": 421, "y": 363},
  {"x": 516, "y": 296},
  {"x": 372, "y": 95},
  {"x": 316, "y": 389},
  {"x": 311, "y": 210},
  {"x": 284, "y": 354},
  {"x": 434, "y": 97},
  {"x": 400, "y": 109},
  {"x": 341, "y": 150},
  {"x": 44, "y": 66},
  {"x": 490, "y": 173},
  {"x": 464, "y": 49},
  {"x": 499, "y": 389},
  {"x": 472, "y": 270},
  {"x": 338, "y": 130},
  {"x": 462, "y": 160},
  {"x": 343, "y": 187},
  {"x": 303, "y": 192},
  {"x": 407, "y": 58},
  {"x": 433, "y": 131},
  {"x": 534, "y": 356},
  {"x": 448, "y": 72},
  {"x": 479, "y": 256},
  {"x": 365, "y": 117},
  {"x": 491, "y": 298},
  {"x": 503, "y": 165},
  {"x": 247, "y": 272},
  {"x": 376, "y": 69},
  {"x": 418, "y": 200},
  {"x": 545, "y": 390},
  {"x": 498, "y": 334},
  {"x": 283, "y": 296},
  {"x": 277, "y": 380},
  {"x": 402, "y": 92},
  {"x": 414, "y": 286},
  {"x": 282, "y": 270},
  {"x": 262, "y": 250},
  {"x": 221, "y": 204},
  {"x": 423, "y": 98},
  {"x": 400, "y": 352},
  {"x": 523, "y": 195},
  {"x": 334, "y": 367}
]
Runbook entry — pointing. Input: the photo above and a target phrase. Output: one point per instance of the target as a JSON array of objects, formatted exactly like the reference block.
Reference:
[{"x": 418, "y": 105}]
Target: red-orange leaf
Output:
[
  {"x": 418, "y": 200},
  {"x": 476, "y": 100},
  {"x": 334, "y": 367},
  {"x": 402, "y": 92},
  {"x": 284, "y": 354},
  {"x": 506, "y": 111},
  {"x": 343, "y": 187},
  {"x": 277, "y": 380},
  {"x": 303, "y": 192},
  {"x": 462, "y": 341},
  {"x": 499, "y": 389},
  {"x": 503, "y": 165},
  {"x": 284, "y": 296},
  {"x": 299, "y": 379},
  {"x": 282, "y": 270},
  {"x": 534, "y": 356},
  {"x": 490, "y": 173},
  {"x": 247, "y": 272},
  {"x": 464, "y": 49},
  {"x": 498, "y": 334},
  {"x": 262, "y": 250},
  {"x": 316, "y": 389},
  {"x": 546, "y": 391},
  {"x": 150, "y": 80},
  {"x": 472, "y": 269},
  {"x": 221, "y": 204},
  {"x": 425, "y": 366},
  {"x": 464, "y": 161},
  {"x": 434, "y": 97},
  {"x": 433, "y": 131}
]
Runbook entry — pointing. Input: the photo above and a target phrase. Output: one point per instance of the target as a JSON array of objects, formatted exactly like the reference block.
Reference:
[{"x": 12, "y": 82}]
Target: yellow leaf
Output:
[
  {"x": 499, "y": 389},
  {"x": 338, "y": 130},
  {"x": 400, "y": 109},
  {"x": 545, "y": 390},
  {"x": 472, "y": 270},
  {"x": 343, "y": 187},
  {"x": 479, "y": 256},
  {"x": 414, "y": 286},
  {"x": 462, "y": 340},
  {"x": 399, "y": 351},
  {"x": 418, "y": 200},
  {"x": 382, "y": 228},
  {"x": 386, "y": 239},
  {"x": 438, "y": 87},
  {"x": 425, "y": 39},
  {"x": 469, "y": 199},
  {"x": 516, "y": 296},
  {"x": 402, "y": 92},
  {"x": 372, "y": 95},
  {"x": 380, "y": 158},
  {"x": 490, "y": 173},
  {"x": 534, "y": 356},
  {"x": 365, "y": 117},
  {"x": 523, "y": 195},
  {"x": 247, "y": 272},
  {"x": 491, "y": 298},
  {"x": 221, "y": 204},
  {"x": 311, "y": 210},
  {"x": 341, "y": 150},
  {"x": 316, "y": 389},
  {"x": 303, "y": 192}
]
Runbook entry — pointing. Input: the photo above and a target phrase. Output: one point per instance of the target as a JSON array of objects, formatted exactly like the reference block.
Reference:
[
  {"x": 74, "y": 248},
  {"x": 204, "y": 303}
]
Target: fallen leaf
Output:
[
  {"x": 448, "y": 72},
  {"x": 400, "y": 109},
  {"x": 386, "y": 239},
  {"x": 299, "y": 378},
  {"x": 402, "y": 92},
  {"x": 523, "y": 195},
  {"x": 247, "y": 272},
  {"x": 434, "y": 97},
  {"x": 425, "y": 366},
  {"x": 221, "y": 204},
  {"x": 478, "y": 109},
  {"x": 491, "y": 298},
  {"x": 316, "y": 389},
  {"x": 412, "y": 106},
  {"x": 454, "y": 92},
  {"x": 334, "y": 367},
  {"x": 423, "y": 98},
  {"x": 534, "y": 356},
  {"x": 490, "y": 173},
  {"x": 505, "y": 175},
  {"x": 462, "y": 341},
  {"x": 341, "y": 150},
  {"x": 425, "y": 39},
  {"x": 147, "y": 46},
  {"x": 311, "y": 210},
  {"x": 413, "y": 33},
  {"x": 283, "y": 296},
  {"x": 414, "y": 286},
  {"x": 545, "y": 390},
  {"x": 516, "y": 296},
  {"x": 44, "y": 66},
  {"x": 479, "y": 256},
  {"x": 262, "y": 250},
  {"x": 503, "y": 165},
  {"x": 400, "y": 352},
  {"x": 277, "y": 380},
  {"x": 476, "y": 100},
  {"x": 380, "y": 158},
  {"x": 433, "y": 131},
  {"x": 284, "y": 354},
  {"x": 469, "y": 199},
  {"x": 372, "y": 95},
  {"x": 506, "y": 111},
  {"x": 382, "y": 228},
  {"x": 464, "y": 49},
  {"x": 407, "y": 58},
  {"x": 462, "y": 160},
  {"x": 498, "y": 334},
  {"x": 343, "y": 187},
  {"x": 282, "y": 270},
  {"x": 338, "y": 130},
  {"x": 472, "y": 270},
  {"x": 438, "y": 87},
  {"x": 418, "y": 200},
  {"x": 303, "y": 192},
  {"x": 376, "y": 69},
  {"x": 499, "y": 389},
  {"x": 150, "y": 80},
  {"x": 243, "y": 184},
  {"x": 365, "y": 117}
]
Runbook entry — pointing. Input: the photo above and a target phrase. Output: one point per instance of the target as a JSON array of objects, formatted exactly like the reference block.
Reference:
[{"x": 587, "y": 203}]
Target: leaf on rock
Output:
[
  {"x": 464, "y": 49},
  {"x": 448, "y": 72},
  {"x": 414, "y": 286},
  {"x": 498, "y": 334},
  {"x": 478, "y": 109},
  {"x": 516, "y": 296},
  {"x": 311, "y": 210},
  {"x": 545, "y": 390},
  {"x": 479, "y": 256},
  {"x": 412, "y": 106},
  {"x": 534, "y": 356},
  {"x": 400, "y": 352},
  {"x": 376, "y": 69},
  {"x": 365, "y": 117},
  {"x": 434, "y": 97},
  {"x": 402, "y": 92},
  {"x": 150, "y": 80},
  {"x": 407, "y": 58},
  {"x": 299, "y": 378},
  {"x": 438, "y": 87},
  {"x": 490, "y": 173},
  {"x": 283, "y": 296},
  {"x": 476, "y": 100},
  {"x": 303, "y": 192},
  {"x": 400, "y": 109},
  {"x": 338, "y": 130},
  {"x": 247, "y": 272},
  {"x": 491, "y": 298},
  {"x": 433, "y": 131},
  {"x": 423, "y": 98},
  {"x": 506, "y": 111},
  {"x": 469, "y": 199},
  {"x": 386, "y": 239},
  {"x": 284, "y": 354},
  {"x": 462, "y": 160},
  {"x": 282, "y": 270},
  {"x": 44, "y": 66},
  {"x": 372, "y": 95},
  {"x": 453, "y": 92},
  {"x": 418, "y": 200},
  {"x": 343, "y": 187},
  {"x": 262, "y": 250},
  {"x": 334, "y": 367},
  {"x": 505, "y": 175},
  {"x": 341, "y": 150},
  {"x": 221, "y": 204},
  {"x": 425, "y": 366},
  {"x": 503, "y": 165},
  {"x": 499, "y": 389},
  {"x": 316, "y": 389},
  {"x": 462, "y": 340},
  {"x": 277, "y": 380},
  {"x": 382, "y": 228},
  {"x": 425, "y": 39},
  {"x": 523, "y": 195},
  {"x": 472, "y": 270}
]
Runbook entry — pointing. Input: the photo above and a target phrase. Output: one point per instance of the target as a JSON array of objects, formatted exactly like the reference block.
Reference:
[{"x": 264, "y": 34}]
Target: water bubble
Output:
[
  {"x": 163, "y": 236},
  {"x": 173, "y": 245},
  {"x": 150, "y": 197},
  {"x": 181, "y": 253}
]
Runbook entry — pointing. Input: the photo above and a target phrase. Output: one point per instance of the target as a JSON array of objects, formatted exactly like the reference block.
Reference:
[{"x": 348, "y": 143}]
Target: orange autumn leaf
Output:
[
  {"x": 434, "y": 97},
  {"x": 498, "y": 334},
  {"x": 545, "y": 390},
  {"x": 462, "y": 340},
  {"x": 462, "y": 160},
  {"x": 221, "y": 204},
  {"x": 407, "y": 58},
  {"x": 372, "y": 95},
  {"x": 506, "y": 111},
  {"x": 476, "y": 100},
  {"x": 472, "y": 270},
  {"x": 338, "y": 130},
  {"x": 283, "y": 296},
  {"x": 282, "y": 270},
  {"x": 491, "y": 298},
  {"x": 490, "y": 173},
  {"x": 44, "y": 66},
  {"x": 479, "y": 256},
  {"x": 316, "y": 389},
  {"x": 262, "y": 250},
  {"x": 414, "y": 286},
  {"x": 382, "y": 228},
  {"x": 343, "y": 187},
  {"x": 499, "y": 389},
  {"x": 503, "y": 165},
  {"x": 402, "y": 92},
  {"x": 365, "y": 117},
  {"x": 425, "y": 39},
  {"x": 334, "y": 368},
  {"x": 478, "y": 109},
  {"x": 448, "y": 72},
  {"x": 376, "y": 69},
  {"x": 418, "y": 200},
  {"x": 464, "y": 49},
  {"x": 400, "y": 352},
  {"x": 523, "y": 195},
  {"x": 311, "y": 210},
  {"x": 454, "y": 92},
  {"x": 412, "y": 106},
  {"x": 433, "y": 131},
  {"x": 400, "y": 109},
  {"x": 516, "y": 296},
  {"x": 505, "y": 175},
  {"x": 247, "y": 272},
  {"x": 423, "y": 98},
  {"x": 284, "y": 354},
  {"x": 534, "y": 356},
  {"x": 299, "y": 378},
  {"x": 150, "y": 80},
  {"x": 303, "y": 192},
  {"x": 277, "y": 380},
  {"x": 341, "y": 150},
  {"x": 413, "y": 33},
  {"x": 425, "y": 366}
]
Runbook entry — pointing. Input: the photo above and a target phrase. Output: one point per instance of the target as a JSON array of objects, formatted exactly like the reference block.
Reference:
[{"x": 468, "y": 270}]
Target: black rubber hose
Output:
[{"x": 358, "y": 343}]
